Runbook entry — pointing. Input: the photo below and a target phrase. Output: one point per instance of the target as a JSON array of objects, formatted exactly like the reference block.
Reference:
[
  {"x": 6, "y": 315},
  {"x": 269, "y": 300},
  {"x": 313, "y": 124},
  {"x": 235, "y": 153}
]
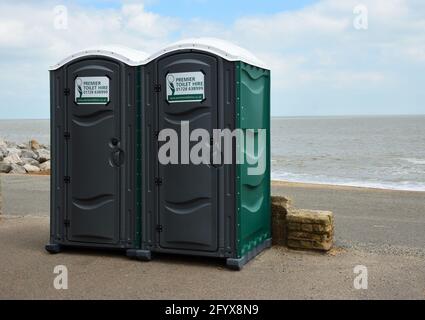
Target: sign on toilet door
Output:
[
  {"x": 185, "y": 87},
  {"x": 92, "y": 90}
]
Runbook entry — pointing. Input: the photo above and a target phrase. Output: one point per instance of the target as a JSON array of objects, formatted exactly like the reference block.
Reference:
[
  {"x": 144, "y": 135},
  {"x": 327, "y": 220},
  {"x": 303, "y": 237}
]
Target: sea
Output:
[{"x": 386, "y": 152}]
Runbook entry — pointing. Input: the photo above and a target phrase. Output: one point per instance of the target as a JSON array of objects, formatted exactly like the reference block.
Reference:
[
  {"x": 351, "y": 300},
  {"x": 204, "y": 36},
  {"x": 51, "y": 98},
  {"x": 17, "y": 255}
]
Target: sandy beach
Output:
[{"x": 381, "y": 229}]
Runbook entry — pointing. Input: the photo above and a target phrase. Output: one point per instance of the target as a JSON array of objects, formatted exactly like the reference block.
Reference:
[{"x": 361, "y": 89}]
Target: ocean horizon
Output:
[{"x": 385, "y": 152}]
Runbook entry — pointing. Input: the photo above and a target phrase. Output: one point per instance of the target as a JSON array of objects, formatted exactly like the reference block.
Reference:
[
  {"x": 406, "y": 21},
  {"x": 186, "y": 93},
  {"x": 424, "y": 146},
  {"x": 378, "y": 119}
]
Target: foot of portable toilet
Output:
[
  {"x": 237, "y": 264},
  {"x": 143, "y": 255},
  {"x": 53, "y": 248}
]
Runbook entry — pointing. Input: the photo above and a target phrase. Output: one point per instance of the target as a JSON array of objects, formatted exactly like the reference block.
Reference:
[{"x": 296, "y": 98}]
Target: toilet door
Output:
[
  {"x": 94, "y": 152},
  {"x": 187, "y": 193}
]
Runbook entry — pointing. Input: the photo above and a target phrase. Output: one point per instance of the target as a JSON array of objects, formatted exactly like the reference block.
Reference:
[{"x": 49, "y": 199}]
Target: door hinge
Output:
[
  {"x": 67, "y": 179},
  {"x": 67, "y": 135},
  {"x": 158, "y": 181},
  {"x": 157, "y": 88},
  {"x": 66, "y": 222},
  {"x": 159, "y": 227},
  {"x": 67, "y": 91}
]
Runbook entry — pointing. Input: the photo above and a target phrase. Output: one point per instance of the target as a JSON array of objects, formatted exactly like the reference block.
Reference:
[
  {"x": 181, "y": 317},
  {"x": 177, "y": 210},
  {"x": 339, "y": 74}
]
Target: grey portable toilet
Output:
[
  {"x": 93, "y": 142},
  {"x": 206, "y": 210}
]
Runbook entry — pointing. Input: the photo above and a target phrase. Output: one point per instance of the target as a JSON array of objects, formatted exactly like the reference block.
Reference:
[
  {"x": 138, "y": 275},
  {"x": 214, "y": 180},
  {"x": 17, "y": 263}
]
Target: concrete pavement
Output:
[{"x": 26, "y": 270}]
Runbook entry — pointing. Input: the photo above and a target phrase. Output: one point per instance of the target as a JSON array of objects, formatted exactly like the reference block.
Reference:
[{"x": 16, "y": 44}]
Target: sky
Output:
[{"x": 327, "y": 57}]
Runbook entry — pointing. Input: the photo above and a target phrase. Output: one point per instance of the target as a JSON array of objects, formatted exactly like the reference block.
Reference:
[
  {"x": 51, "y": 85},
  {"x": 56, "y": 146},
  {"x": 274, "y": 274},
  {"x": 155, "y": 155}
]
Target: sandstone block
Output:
[
  {"x": 294, "y": 226},
  {"x": 280, "y": 207},
  {"x": 310, "y": 244},
  {"x": 310, "y": 216},
  {"x": 310, "y": 229}
]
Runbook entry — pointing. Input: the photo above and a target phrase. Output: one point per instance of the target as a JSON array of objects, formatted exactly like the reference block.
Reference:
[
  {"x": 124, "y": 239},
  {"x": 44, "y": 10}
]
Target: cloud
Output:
[
  {"x": 136, "y": 19},
  {"x": 319, "y": 60}
]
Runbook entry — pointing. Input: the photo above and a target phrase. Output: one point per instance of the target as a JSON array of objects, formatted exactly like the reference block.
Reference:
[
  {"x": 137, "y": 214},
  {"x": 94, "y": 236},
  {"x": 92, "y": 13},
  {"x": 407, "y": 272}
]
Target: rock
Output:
[
  {"x": 28, "y": 154},
  {"x": 3, "y": 151},
  {"x": 14, "y": 151},
  {"x": 280, "y": 207},
  {"x": 13, "y": 159},
  {"x": 30, "y": 161},
  {"x": 22, "y": 146},
  {"x": 12, "y": 145},
  {"x": 3, "y": 143},
  {"x": 43, "y": 155},
  {"x": 34, "y": 145},
  {"x": 45, "y": 166},
  {"x": 30, "y": 169},
  {"x": 5, "y": 167},
  {"x": 17, "y": 169},
  {"x": 310, "y": 229}
]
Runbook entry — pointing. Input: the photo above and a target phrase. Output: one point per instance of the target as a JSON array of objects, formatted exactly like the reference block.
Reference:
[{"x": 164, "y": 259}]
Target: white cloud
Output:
[{"x": 135, "y": 18}]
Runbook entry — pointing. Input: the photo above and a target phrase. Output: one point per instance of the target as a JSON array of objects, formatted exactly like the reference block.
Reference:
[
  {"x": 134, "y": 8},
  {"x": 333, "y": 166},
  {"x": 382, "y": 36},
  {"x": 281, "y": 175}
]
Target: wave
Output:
[
  {"x": 305, "y": 178},
  {"x": 414, "y": 160}
]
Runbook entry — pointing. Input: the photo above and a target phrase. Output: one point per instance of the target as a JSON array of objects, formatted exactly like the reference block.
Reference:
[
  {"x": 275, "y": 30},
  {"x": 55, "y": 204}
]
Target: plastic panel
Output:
[{"x": 253, "y": 191}]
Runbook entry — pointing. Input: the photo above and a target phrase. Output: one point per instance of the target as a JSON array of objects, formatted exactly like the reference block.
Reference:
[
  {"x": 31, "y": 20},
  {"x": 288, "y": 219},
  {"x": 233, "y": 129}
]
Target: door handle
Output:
[
  {"x": 118, "y": 157},
  {"x": 115, "y": 142}
]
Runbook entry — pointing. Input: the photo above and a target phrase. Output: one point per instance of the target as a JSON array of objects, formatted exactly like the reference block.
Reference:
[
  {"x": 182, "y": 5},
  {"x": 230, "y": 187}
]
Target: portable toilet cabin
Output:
[
  {"x": 217, "y": 208},
  {"x": 93, "y": 144}
]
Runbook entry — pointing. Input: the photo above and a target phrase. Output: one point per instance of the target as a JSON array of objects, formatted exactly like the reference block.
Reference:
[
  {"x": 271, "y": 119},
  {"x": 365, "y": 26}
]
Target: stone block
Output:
[
  {"x": 310, "y": 216},
  {"x": 280, "y": 207},
  {"x": 310, "y": 229}
]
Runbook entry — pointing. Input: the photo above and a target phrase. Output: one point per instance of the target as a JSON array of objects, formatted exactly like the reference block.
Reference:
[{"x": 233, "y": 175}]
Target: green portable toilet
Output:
[{"x": 216, "y": 208}]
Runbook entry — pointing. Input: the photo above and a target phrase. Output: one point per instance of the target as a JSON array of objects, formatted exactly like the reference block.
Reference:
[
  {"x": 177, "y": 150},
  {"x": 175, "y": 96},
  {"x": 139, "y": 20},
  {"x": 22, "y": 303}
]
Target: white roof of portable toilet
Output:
[
  {"x": 126, "y": 55},
  {"x": 221, "y": 48}
]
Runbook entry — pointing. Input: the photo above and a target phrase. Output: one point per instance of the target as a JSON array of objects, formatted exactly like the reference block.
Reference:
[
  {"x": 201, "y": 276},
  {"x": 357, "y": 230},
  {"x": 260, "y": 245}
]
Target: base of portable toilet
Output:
[
  {"x": 53, "y": 248},
  {"x": 238, "y": 263},
  {"x": 143, "y": 255},
  {"x": 231, "y": 263}
]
